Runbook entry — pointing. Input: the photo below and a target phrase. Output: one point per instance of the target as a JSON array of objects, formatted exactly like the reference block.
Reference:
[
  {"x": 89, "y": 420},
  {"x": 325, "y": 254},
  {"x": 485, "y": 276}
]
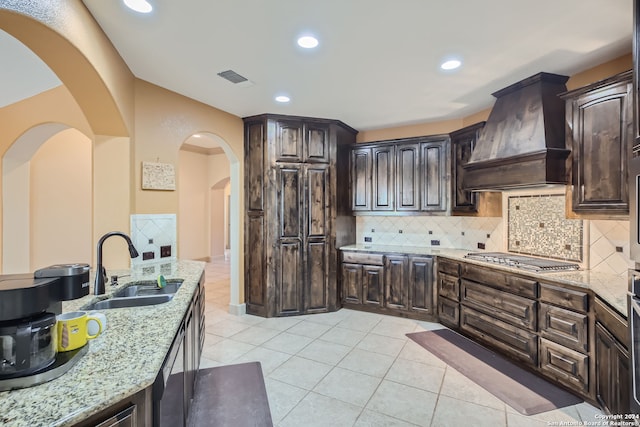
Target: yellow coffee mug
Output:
[{"x": 73, "y": 331}]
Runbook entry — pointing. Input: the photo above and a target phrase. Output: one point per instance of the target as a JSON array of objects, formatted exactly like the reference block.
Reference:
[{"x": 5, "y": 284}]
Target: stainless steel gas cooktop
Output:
[{"x": 523, "y": 262}]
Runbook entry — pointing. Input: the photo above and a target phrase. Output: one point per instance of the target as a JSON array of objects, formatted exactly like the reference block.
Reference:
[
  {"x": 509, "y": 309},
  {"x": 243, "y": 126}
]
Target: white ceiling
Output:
[{"x": 378, "y": 61}]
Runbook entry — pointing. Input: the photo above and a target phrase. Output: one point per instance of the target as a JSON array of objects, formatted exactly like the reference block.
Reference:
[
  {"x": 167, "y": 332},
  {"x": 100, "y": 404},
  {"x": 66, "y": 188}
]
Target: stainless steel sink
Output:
[
  {"x": 148, "y": 288},
  {"x": 135, "y": 301}
]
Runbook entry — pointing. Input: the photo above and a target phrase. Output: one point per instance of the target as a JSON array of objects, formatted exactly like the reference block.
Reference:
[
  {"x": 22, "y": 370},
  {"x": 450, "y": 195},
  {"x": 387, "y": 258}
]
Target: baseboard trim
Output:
[{"x": 238, "y": 309}]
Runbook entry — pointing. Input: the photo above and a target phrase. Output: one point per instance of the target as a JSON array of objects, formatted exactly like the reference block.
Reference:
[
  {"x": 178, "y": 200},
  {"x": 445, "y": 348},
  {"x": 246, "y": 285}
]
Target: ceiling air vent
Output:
[{"x": 232, "y": 76}]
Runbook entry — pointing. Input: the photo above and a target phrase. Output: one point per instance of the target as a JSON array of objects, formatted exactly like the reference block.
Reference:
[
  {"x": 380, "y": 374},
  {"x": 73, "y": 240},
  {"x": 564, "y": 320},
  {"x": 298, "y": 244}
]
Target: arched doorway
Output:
[
  {"x": 209, "y": 169},
  {"x": 46, "y": 199}
]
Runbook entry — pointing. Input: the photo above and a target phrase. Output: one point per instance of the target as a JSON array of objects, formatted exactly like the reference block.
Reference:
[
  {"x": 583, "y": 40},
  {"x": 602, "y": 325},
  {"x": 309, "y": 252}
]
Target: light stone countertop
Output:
[
  {"x": 610, "y": 288},
  {"x": 123, "y": 360}
]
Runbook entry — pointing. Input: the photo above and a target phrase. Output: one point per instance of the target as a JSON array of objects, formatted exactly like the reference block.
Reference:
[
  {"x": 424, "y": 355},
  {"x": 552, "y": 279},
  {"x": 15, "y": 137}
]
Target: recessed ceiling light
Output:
[
  {"x": 141, "y": 6},
  {"x": 451, "y": 64},
  {"x": 197, "y": 135},
  {"x": 308, "y": 42},
  {"x": 283, "y": 98}
]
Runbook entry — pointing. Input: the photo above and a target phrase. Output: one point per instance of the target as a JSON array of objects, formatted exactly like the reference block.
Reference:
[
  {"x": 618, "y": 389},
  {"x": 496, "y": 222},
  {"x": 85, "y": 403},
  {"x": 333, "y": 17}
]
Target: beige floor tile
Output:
[
  {"x": 208, "y": 363},
  {"x": 343, "y": 336},
  {"x": 282, "y": 397},
  {"x": 381, "y": 344},
  {"x": 406, "y": 403},
  {"x": 250, "y": 319},
  {"x": 367, "y": 363},
  {"x": 287, "y": 343},
  {"x": 269, "y": 359},
  {"x": 226, "y": 328},
  {"x": 280, "y": 323},
  {"x": 325, "y": 352},
  {"x": 567, "y": 414},
  {"x": 300, "y": 372},
  {"x": 416, "y": 374},
  {"x": 332, "y": 318},
  {"x": 395, "y": 327},
  {"x": 226, "y": 350},
  {"x": 211, "y": 339},
  {"x": 309, "y": 329},
  {"x": 316, "y": 410},
  {"x": 374, "y": 419},
  {"x": 363, "y": 322},
  {"x": 255, "y": 335},
  {"x": 454, "y": 413},
  {"x": 588, "y": 412},
  {"x": 417, "y": 353},
  {"x": 348, "y": 386},
  {"x": 460, "y": 387}
]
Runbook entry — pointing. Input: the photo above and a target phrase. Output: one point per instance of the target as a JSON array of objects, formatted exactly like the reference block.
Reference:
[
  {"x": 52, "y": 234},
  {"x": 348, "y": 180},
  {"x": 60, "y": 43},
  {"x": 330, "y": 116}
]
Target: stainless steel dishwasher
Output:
[{"x": 168, "y": 388}]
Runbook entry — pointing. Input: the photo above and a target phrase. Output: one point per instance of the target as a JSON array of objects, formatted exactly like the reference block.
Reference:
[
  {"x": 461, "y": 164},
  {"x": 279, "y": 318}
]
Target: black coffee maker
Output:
[{"x": 28, "y": 308}]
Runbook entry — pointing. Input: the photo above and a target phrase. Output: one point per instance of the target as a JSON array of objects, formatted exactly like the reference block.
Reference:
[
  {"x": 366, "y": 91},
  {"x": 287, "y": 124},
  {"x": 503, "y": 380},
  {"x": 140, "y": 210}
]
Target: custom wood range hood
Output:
[{"x": 523, "y": 141}]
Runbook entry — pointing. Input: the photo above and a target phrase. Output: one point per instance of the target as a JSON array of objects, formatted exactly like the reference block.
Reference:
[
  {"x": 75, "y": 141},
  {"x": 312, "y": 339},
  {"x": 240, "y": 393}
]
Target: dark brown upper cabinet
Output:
[
  {"x": 600, "y": 135},
  {"x": 383, "y": 178},
  {"x": 302, "y": 142},
  {"x": 408, "y": 175},
  {"x": 463, "y": 142}
]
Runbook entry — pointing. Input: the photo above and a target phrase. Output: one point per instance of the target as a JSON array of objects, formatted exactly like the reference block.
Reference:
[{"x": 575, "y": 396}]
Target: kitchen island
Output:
[{"x": 122, "y": 362}]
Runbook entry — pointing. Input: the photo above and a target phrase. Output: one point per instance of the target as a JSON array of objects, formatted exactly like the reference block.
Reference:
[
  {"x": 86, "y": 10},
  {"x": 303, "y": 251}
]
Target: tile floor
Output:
[{"x": 351, "y": 368}]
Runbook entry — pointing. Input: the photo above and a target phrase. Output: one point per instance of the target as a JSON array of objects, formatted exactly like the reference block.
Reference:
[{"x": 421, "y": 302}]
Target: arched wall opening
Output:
[
  {"x": 209, "y": 205},
  {"x": 46, "y": 199}
]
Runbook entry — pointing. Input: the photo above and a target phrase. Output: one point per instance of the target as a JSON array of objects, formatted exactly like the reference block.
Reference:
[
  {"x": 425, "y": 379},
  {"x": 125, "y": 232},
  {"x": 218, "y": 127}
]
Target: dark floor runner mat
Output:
[
  {"x": 231, "y": 396},
  {"x": 524, "y": 391}
]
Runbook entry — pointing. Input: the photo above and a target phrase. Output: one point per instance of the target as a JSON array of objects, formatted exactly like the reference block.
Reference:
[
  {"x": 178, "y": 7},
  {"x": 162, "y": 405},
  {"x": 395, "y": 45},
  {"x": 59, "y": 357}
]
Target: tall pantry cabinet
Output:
[{"x": 297, "y": 213}]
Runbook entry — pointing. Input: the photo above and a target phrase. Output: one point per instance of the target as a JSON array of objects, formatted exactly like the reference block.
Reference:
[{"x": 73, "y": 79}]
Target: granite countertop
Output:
[
  {"x": 123, "y": 360},
  {"x": 610, "y": 288}
]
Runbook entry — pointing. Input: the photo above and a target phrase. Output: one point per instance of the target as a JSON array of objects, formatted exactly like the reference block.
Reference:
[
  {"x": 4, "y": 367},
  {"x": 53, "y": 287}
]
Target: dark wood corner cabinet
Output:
[
  {"x": 297, "y": 212},
  {"x": 463, "y": 142},
  {"x": 408, "y": 176},
  {"x": 395, "y": 284},
  {"x": 600, "y": 133},
  {"x": 564, "y": 333}
]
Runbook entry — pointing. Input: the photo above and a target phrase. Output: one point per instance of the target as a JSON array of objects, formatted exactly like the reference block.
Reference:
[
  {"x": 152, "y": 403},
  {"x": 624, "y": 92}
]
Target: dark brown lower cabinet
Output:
[
  {"x": 612, "y": 372},
  {"x": 394, "y": 284}
]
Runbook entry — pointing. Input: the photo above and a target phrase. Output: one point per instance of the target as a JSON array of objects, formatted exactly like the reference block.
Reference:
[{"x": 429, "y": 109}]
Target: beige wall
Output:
[
  {"x": 61, "y": 201},
  {"x": 193, "y": 206}
]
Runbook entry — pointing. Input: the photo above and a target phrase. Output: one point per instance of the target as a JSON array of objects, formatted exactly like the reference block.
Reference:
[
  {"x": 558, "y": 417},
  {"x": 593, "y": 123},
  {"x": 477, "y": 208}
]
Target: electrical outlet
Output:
[
  {"x": 480, "y": 245},
  {"x": 148, "y": 255},
  {"x": 435, "y": 243},
  {"x": 367, "y": 239},
  {"x": 165, "y": 251}
]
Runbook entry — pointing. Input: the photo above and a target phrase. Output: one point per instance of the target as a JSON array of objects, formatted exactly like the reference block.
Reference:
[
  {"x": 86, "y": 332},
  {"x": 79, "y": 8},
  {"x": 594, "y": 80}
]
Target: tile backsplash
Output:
[
  {"x": 151, "y": 233},
  {"x": 606, "y": 242},
  {"x": 537, "y": 225}
]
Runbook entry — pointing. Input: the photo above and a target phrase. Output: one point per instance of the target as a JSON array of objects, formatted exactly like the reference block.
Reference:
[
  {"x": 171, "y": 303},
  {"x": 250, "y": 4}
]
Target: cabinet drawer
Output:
[
  {"x": 449, "y": 286},
  {"x": 449, "y": 312},
  {"x": 448, "y": 267},
  {"x": 363, "y": 258},
  {"x": 564, "y": 297},
  {"x": 615, "y": 323},
  {"x": 567, "y": 366},
  {"x": 504, "y": 281},
  {"x": 509, "y": 339},
  {"x": 564, "y": 327},
  {"x": 511, "y": 308}
]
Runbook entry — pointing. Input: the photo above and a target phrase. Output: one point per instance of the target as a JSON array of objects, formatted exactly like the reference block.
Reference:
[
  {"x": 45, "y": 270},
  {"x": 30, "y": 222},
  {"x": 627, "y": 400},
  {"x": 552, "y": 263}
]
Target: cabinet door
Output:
[
  {"x": 289, "y": 147},
  {"x": 288, "y": 258},
  {"x": 612, "y": 373},
  {"x": 395, "y": 281},
  {"x": 373, "y": 285},
  {"x": 462, "y": 144},
  {"x": 421, "y": 284},
  {"x": 316, "y": 232},
  {"x": 361, "y": 165},
  {"x": 407, "y": 177},
  {"x": 383, "y": 178},
  {"x": 254, "y": 164},
  {"x": 602, "y": 132},
  {"x": 316, "y": 143},
  {"x": 352, "y": 283},
  {"x": 434, "y": 176}
]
